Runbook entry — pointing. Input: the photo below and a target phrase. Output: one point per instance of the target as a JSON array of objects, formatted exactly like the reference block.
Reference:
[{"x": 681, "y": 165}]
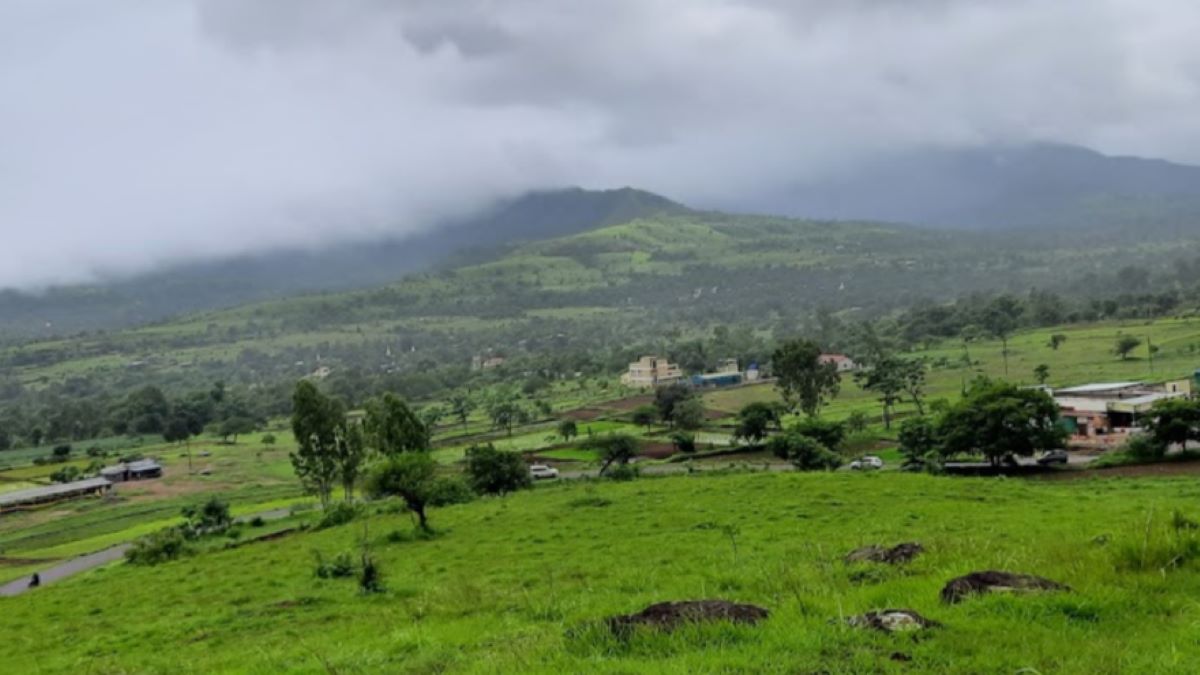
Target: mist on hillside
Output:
[{"x": 138, "y": 135}]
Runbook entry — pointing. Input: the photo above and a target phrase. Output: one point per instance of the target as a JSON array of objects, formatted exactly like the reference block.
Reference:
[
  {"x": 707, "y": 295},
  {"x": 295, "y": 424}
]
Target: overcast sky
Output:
[{"x": 137, "y": 133}]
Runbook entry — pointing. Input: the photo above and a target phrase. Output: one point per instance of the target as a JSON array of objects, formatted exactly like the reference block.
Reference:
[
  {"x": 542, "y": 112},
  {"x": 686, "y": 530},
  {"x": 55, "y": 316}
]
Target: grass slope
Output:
[{"x": 518, "y": 584}]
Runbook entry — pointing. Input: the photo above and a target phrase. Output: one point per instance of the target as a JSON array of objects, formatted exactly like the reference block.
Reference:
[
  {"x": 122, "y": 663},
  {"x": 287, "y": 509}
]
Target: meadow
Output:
[{"x": 522, "y": 584}]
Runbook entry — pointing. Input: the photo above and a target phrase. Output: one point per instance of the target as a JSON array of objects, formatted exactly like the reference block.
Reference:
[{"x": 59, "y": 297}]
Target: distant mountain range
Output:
[
  {"x": 210, "y": 285},
  {"x": 1059, "y": 191},
  {"x": 1031, "y": 186}
]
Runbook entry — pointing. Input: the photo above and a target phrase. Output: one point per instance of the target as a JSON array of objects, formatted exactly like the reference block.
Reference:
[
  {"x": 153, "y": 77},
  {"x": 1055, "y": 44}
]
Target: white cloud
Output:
[{"x": 135, "y": 133}]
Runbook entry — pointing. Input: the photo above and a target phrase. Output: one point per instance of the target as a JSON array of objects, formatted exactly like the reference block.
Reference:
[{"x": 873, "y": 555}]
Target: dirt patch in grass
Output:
[
  {"x": 583, "y": 414},
  {"x": 657, "y": 450},
  {"x": 671, "y": 615},
  {"x": 629, "y": 404}
]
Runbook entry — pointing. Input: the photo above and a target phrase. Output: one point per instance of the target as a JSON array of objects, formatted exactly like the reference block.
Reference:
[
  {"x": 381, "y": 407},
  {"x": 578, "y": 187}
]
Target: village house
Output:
[
  {"x": 842, "y": 362},
  {"x": 1104, "y": 413},
  {"x": 142, "y": 469},
  {"x": 651, "y": 371},
  {"x": 486, "y": 362}
]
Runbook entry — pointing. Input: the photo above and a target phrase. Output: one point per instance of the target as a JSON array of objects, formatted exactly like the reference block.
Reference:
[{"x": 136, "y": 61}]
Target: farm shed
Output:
[
  {"x": 18, "y": 499},
  {"x": 139, "y": 470}
]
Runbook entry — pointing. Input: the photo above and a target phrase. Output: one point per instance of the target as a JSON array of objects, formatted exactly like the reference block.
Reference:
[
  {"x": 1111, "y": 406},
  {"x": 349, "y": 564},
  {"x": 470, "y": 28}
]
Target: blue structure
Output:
[{"x": 717, "y": 380}]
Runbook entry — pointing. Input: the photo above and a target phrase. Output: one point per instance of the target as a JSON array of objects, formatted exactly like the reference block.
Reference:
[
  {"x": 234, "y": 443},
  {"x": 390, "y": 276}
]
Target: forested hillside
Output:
[
  {"x": 218, "y": 284},
  {"x": 588, "y": 303}
]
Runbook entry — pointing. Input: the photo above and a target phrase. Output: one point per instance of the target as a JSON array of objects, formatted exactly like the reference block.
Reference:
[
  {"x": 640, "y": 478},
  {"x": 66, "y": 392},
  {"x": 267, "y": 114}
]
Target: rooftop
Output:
[
  {"x": 1098, "y": 387},
  {"x": 51, "y": 491}
]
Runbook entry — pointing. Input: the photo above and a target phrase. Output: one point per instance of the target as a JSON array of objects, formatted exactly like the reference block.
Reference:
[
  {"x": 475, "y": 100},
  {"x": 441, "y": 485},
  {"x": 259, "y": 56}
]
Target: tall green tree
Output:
[
  {"x": 351, "y": 451},
  {"x": 755, "y": 421},
  {"x": 802, "y": 379},
  {"x": 412, "y": 476},
  {"x": 1041, "y": 373},
  {"x": 568, "y": 430},
  {"x": 668, "y": 399},
  {"x": 1124, "y": 345},
  {"x": 315, "y": 423},
  {"x": 1173, "y": 422},
  {"x": 495, "y": 472},
  {"x": 1001, "y": 317},
  {"x": 393, "y": 429},
  {"x": 616, "y": 449},
  {"x": 998, "y": 419},
  {"x": 885, "y": 379}
]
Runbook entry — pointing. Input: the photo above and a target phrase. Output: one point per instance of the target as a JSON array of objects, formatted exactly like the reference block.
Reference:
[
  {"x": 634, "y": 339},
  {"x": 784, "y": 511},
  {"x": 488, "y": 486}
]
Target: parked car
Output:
[
  {"x": 543, "y": 472},
  {"x": 1053, "y": 457},
  {"x": 866, "y": 462}
]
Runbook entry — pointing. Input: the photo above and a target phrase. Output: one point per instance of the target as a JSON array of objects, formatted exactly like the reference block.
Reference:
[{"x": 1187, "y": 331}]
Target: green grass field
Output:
[{"x": 520, "y": 585}]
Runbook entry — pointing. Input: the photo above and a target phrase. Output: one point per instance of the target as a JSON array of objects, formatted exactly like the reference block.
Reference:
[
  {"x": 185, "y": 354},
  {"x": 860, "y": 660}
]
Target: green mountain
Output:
[
  {"x": 585, "y": 301},
  {"x": 227, "y": 283}
]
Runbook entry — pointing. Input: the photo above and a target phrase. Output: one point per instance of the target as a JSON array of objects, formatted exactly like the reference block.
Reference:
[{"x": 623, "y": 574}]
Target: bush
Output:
[
  {"x": 268, "y": 439},
  {"x": 494, "y": 472},
  {"x": 450, "y": 490},
  {"x": 370, "y": 577},
  {"x": 825, "y": 432},
  {"x": 257, "y": 521},
  {"x": 160, "y": 547},
  {"x": 211, "y": 517},
  {"x": 339, "y": 514},
  {"x": 857, "y": 421},
  {"x": 66, "y": 474},
  {"x": 1143, "y": 447},
  {"x": 804, "y": 452},
  {"x": 684, "y": 441},
  {"x": 340, "y": 567},
  {"x": 623, "y": 472},
  {"x": 96, "y": 451}
]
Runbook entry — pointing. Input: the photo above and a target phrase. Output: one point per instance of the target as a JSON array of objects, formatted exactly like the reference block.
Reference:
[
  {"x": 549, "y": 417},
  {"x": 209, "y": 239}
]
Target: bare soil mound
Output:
[
  {"x": 956, "y": 590},
  {"x": 896, "y": 555},
  {"x": 670, "y": 615}
]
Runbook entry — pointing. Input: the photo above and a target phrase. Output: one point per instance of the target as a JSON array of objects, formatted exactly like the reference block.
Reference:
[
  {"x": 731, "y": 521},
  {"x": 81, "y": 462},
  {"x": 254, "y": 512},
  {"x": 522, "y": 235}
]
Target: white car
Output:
[
  {"x": 543, "y": 472},
  {"x": 867, "y": 462}
]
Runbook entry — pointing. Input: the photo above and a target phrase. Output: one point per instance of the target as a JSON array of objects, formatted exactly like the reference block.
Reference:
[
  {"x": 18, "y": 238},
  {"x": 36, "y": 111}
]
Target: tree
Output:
[
  {"x": 507, "y": 414},
  {"x": 233, "y": 427},
  {"x": 828, "y": 433},
  {"x": 856, "y": 421},
  {"x": 689, "y": 414},
  {"x": 494, "y": 472},
  {"x": 315, "y": 422},
  {"x": 393, "y": 429},
  {"x": 268, "y": 439},
  {"x": 461, "y": 407},
  {"x": 999, "y": 420},
  {"x": 804, "y": 452},
  {"x": 802, "y": 379},
  {"x": 644, "y": 416},
  {"x": 1173, "y": 422},
  {"x": 412, "y": 476},
  {"x": 1057, "y": 340},
  {"x": 432, "y": 415},
  {"x": 1041, "y": 373},
  {"x": 667, "y": 399},
  {"x": 350, "y": 452},
  {"x": 918, "y": 440},
  {"x": 886, "y": 379},
  {"x": 568, "y": 430},
  {"x": 1124, "y": 345},
  {"x": 208, "y": 518},
  {"x": 684, "y": 441},
  {"x": 616, "y": 449},
  {"x": 177, "y": 430},
  {"x": 1000, "y": 318},
  {"x": 755, "y": 420}
]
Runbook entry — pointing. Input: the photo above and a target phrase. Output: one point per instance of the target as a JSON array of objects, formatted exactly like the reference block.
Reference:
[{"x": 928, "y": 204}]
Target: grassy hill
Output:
[{"x": 522, "y": 584}]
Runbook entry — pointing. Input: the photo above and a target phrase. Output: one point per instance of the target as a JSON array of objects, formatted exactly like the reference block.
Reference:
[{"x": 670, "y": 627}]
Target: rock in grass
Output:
[
  {"x": 892, "y": 621},
  {"x": 896, "y": 555},
  {"x": 986, "y": 582},
  {"x": 670, "y": 615}
]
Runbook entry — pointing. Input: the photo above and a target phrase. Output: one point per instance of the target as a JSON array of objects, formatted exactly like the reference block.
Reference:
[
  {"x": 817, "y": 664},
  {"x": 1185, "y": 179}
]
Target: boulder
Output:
[
  {"x": 892, "y": 621},
  {"x": 989, "y": 581},
  {"x": 670, "y": 615},
  {"x": 896, "y": 555}
]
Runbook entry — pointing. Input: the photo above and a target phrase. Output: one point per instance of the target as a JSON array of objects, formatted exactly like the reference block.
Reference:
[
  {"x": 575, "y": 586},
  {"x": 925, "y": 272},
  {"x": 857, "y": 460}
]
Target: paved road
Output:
[{"x": 83, "y": 563}]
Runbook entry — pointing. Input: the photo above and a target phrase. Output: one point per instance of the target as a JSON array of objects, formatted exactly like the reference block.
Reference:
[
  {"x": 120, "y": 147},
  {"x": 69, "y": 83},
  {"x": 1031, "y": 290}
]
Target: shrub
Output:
[
  {"x": 1143, "y": 447},
  {"x": 160, "y": 547},
  {"x": 450, "y": 490},
  {"x": 211, "y": 517},
  {"x": 370, "y": 577},
  {"x": 804, "y": 452},
  {"x": 856, "y": 422},
  {"x": 623, "y": 472},
  {"x": 340, "y": 567},
  {"x": 684, "y": 441},
  {"x": 257, "y": 521},
  {"x": 96, "y": 451},
  {"x": 825, "y": 432},
  {"x": 66, "y": 474},
  {"x": 494, "y": 472},
  {"x": 268, "y": 439},
  {"x": 339, "y": 514}
]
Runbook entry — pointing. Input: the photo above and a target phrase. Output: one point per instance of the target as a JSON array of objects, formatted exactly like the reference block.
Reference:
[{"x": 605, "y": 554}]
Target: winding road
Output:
[{"x": 90, "y": 561}]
